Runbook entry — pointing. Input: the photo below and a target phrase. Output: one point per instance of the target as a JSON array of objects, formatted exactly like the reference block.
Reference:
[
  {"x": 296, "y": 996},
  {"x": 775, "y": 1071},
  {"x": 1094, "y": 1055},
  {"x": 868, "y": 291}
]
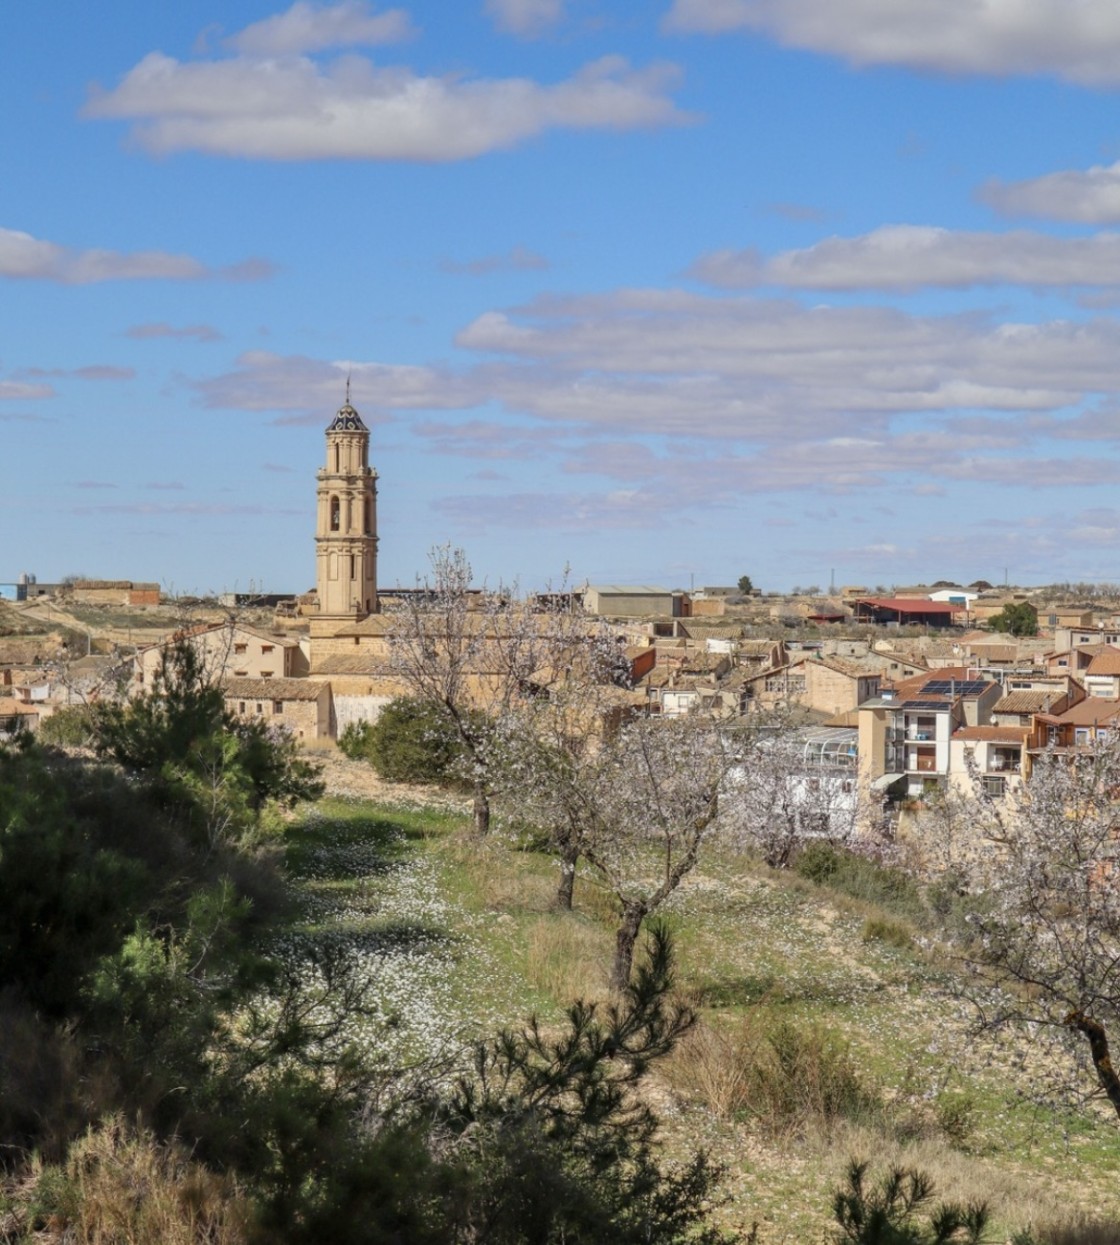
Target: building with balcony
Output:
[
  {"x": 905, "y": 734},
  {"x": 993, "y": 756}
]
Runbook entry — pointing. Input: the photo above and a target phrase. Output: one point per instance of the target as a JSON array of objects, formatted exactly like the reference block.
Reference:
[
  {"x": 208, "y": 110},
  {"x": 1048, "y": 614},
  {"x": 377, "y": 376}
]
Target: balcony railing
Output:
[{"x": 921, "y": 765}]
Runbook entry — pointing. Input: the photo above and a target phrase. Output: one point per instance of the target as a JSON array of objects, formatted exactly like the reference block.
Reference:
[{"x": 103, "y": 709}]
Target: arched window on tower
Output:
[
  {"x": 337, "y": 460},
  {"x": 335, "y": 514}
]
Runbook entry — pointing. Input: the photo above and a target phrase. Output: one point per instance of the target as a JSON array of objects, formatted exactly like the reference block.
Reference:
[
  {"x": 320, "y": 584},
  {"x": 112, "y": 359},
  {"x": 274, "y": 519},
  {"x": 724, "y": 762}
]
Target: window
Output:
[
  {"x": 241, "y": 674},
  {"x": 335, "y": 514},
  {"x": 266, "y": 674},
  {"x": 1081, "y": 735},
  {"x": 260, "y": 708},
  {"x": 267, "y": 648},
  {"x": 240, "y": 706},
  {"x": 277, "y": 706},
  {"x": 994, "y": 785},
  {"x": 241, "y": 648},
  {"x": 353, "y": 566}
]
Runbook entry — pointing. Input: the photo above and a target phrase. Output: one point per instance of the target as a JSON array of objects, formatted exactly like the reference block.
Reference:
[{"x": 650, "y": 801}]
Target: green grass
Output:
[{"x": 757, "y": 951}]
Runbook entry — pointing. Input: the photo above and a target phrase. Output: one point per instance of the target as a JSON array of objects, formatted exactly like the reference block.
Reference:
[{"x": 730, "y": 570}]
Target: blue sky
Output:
[{"x": 665, "y": 292}]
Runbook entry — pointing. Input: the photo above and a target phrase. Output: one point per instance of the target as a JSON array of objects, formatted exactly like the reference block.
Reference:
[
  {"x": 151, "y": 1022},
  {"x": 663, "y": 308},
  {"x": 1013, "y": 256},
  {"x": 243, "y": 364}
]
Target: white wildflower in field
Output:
[{"x": 427, "y": 980}]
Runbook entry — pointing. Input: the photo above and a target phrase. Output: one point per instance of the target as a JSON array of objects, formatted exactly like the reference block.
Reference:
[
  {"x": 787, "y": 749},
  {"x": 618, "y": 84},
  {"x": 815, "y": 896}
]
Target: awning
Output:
[{"x": 885, "y": 780}]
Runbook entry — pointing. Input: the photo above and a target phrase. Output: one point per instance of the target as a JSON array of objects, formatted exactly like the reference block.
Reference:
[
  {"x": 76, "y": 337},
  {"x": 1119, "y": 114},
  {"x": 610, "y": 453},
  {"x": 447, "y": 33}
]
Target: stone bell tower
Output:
[{"x": 346, "y": 527}]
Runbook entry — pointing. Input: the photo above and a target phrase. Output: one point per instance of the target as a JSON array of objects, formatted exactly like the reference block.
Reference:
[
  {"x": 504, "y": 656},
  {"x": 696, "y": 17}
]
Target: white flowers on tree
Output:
[
  {"x": 782, "y": 793},
  {"x": 637, "y": 804},
  {"x": 476, "y": 656},
  {"x": 1042, "y": 874}
]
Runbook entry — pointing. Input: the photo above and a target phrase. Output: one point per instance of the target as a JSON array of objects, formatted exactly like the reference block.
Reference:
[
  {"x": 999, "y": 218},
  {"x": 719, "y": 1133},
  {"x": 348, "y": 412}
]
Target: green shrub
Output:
[
  {"x": 862, "y": 878},
  {"x": 818, "y": 862},
  {"x": 412, "y": 741},
  {"x": 956, "y": 1117},
  {"x": 71, "y": 727},
  {"x": 354, "y": 741}
]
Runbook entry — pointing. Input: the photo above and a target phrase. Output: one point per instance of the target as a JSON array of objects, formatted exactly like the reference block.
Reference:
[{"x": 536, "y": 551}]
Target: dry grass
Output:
[
  {"x": 714, "y": 1067},
  {"x": 119, "y": 1187},
  {"x": 1078, "y": 1230},
  {"x": 567, "y": 959},
  {"x": 1014, "y": 1197},
  {"x": 789, "y": 1078}
]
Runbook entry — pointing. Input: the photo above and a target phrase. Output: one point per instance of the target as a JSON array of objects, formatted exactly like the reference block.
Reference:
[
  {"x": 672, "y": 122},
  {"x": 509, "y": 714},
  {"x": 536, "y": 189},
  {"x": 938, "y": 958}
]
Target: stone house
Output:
[
  {"x": 227, "y": 650},
  {"x": 301, "y": 706}
]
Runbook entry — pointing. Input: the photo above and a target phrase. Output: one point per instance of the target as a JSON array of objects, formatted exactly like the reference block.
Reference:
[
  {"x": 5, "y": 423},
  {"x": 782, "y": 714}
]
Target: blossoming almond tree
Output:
[
  {"x": 475, "y": 656},
  {"x": 1042, "y": 870},
  {"x": 786, "y": 789},
  {"x": 638, "y": 808}
]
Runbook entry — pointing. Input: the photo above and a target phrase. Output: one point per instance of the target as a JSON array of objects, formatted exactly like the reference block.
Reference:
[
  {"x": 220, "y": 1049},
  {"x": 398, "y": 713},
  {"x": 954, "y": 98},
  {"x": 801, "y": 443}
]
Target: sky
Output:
[{"x": 631, "y": 291}]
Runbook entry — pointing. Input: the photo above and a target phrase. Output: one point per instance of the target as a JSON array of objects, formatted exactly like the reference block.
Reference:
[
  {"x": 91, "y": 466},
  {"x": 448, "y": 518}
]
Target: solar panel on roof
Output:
[
  {"x": 924, "y": 704},
  {"x": 957, "y": 687}
]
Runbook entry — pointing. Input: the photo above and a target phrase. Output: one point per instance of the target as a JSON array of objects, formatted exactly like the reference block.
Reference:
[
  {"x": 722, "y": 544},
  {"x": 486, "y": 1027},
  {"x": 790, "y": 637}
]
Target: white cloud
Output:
[
  {"x": 675, "y": 364},
  {"x": 1091, "y": 197},
  {"x": 17, "y": 391},
  {"x": 312, "y": 27},
  {"x": 305, "y": 388},
  {"x": 297, "y": 109},
  {"x": 1078, "y": 40},
  {"x": 30, "y": 258},
  {"x": 909, "y": 256},
  {"x": 518, "y": 259},
  {"x": 525, "y": 17},
  {"x": 197, "y": 332},
  {"x": 704, "y": 399}
]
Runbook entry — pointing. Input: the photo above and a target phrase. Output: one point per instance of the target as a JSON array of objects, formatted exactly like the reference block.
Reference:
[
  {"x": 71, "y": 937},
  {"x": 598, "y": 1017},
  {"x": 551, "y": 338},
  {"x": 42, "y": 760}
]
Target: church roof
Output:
[{"x": 347, "y": 420}]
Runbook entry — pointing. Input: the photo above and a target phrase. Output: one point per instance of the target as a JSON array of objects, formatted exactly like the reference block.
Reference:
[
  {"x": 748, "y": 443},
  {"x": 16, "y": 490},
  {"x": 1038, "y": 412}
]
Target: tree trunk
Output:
[
  {"x": 632, "y": 917},
  {"x": 481, "y": 811},
  {"x": 568, "y": 861},
  {"x": 1102, "y": 1060}
]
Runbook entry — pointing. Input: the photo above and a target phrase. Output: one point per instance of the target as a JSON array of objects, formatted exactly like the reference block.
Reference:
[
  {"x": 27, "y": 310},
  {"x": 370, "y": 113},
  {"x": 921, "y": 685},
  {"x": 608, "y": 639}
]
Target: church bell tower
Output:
[{"x": 346, "y": 528}]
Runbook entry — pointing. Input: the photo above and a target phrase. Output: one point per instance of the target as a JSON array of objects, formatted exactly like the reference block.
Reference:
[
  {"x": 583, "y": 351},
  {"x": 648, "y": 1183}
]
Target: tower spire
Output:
[{"x": 347, "y": 386}]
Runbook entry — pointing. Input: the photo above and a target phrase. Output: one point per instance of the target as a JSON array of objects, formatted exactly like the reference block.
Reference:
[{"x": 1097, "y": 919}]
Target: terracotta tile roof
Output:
[
  {"x": 994, "y": 734},
  {"x": 1026, "y": 702},
  {"x": 994, "y": 652},
  {"x": 847, "y": 666},
  {"x": 373, "y": 624},
  {"x": 354, "y": 663},
  {"x": 1105, "y": 663},
  {"x": 909, "y": 605},
  {"x": 271, "y": 689},
  {"x": 10, "y": 708},
  {"x": 1092, "y": 711}
]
